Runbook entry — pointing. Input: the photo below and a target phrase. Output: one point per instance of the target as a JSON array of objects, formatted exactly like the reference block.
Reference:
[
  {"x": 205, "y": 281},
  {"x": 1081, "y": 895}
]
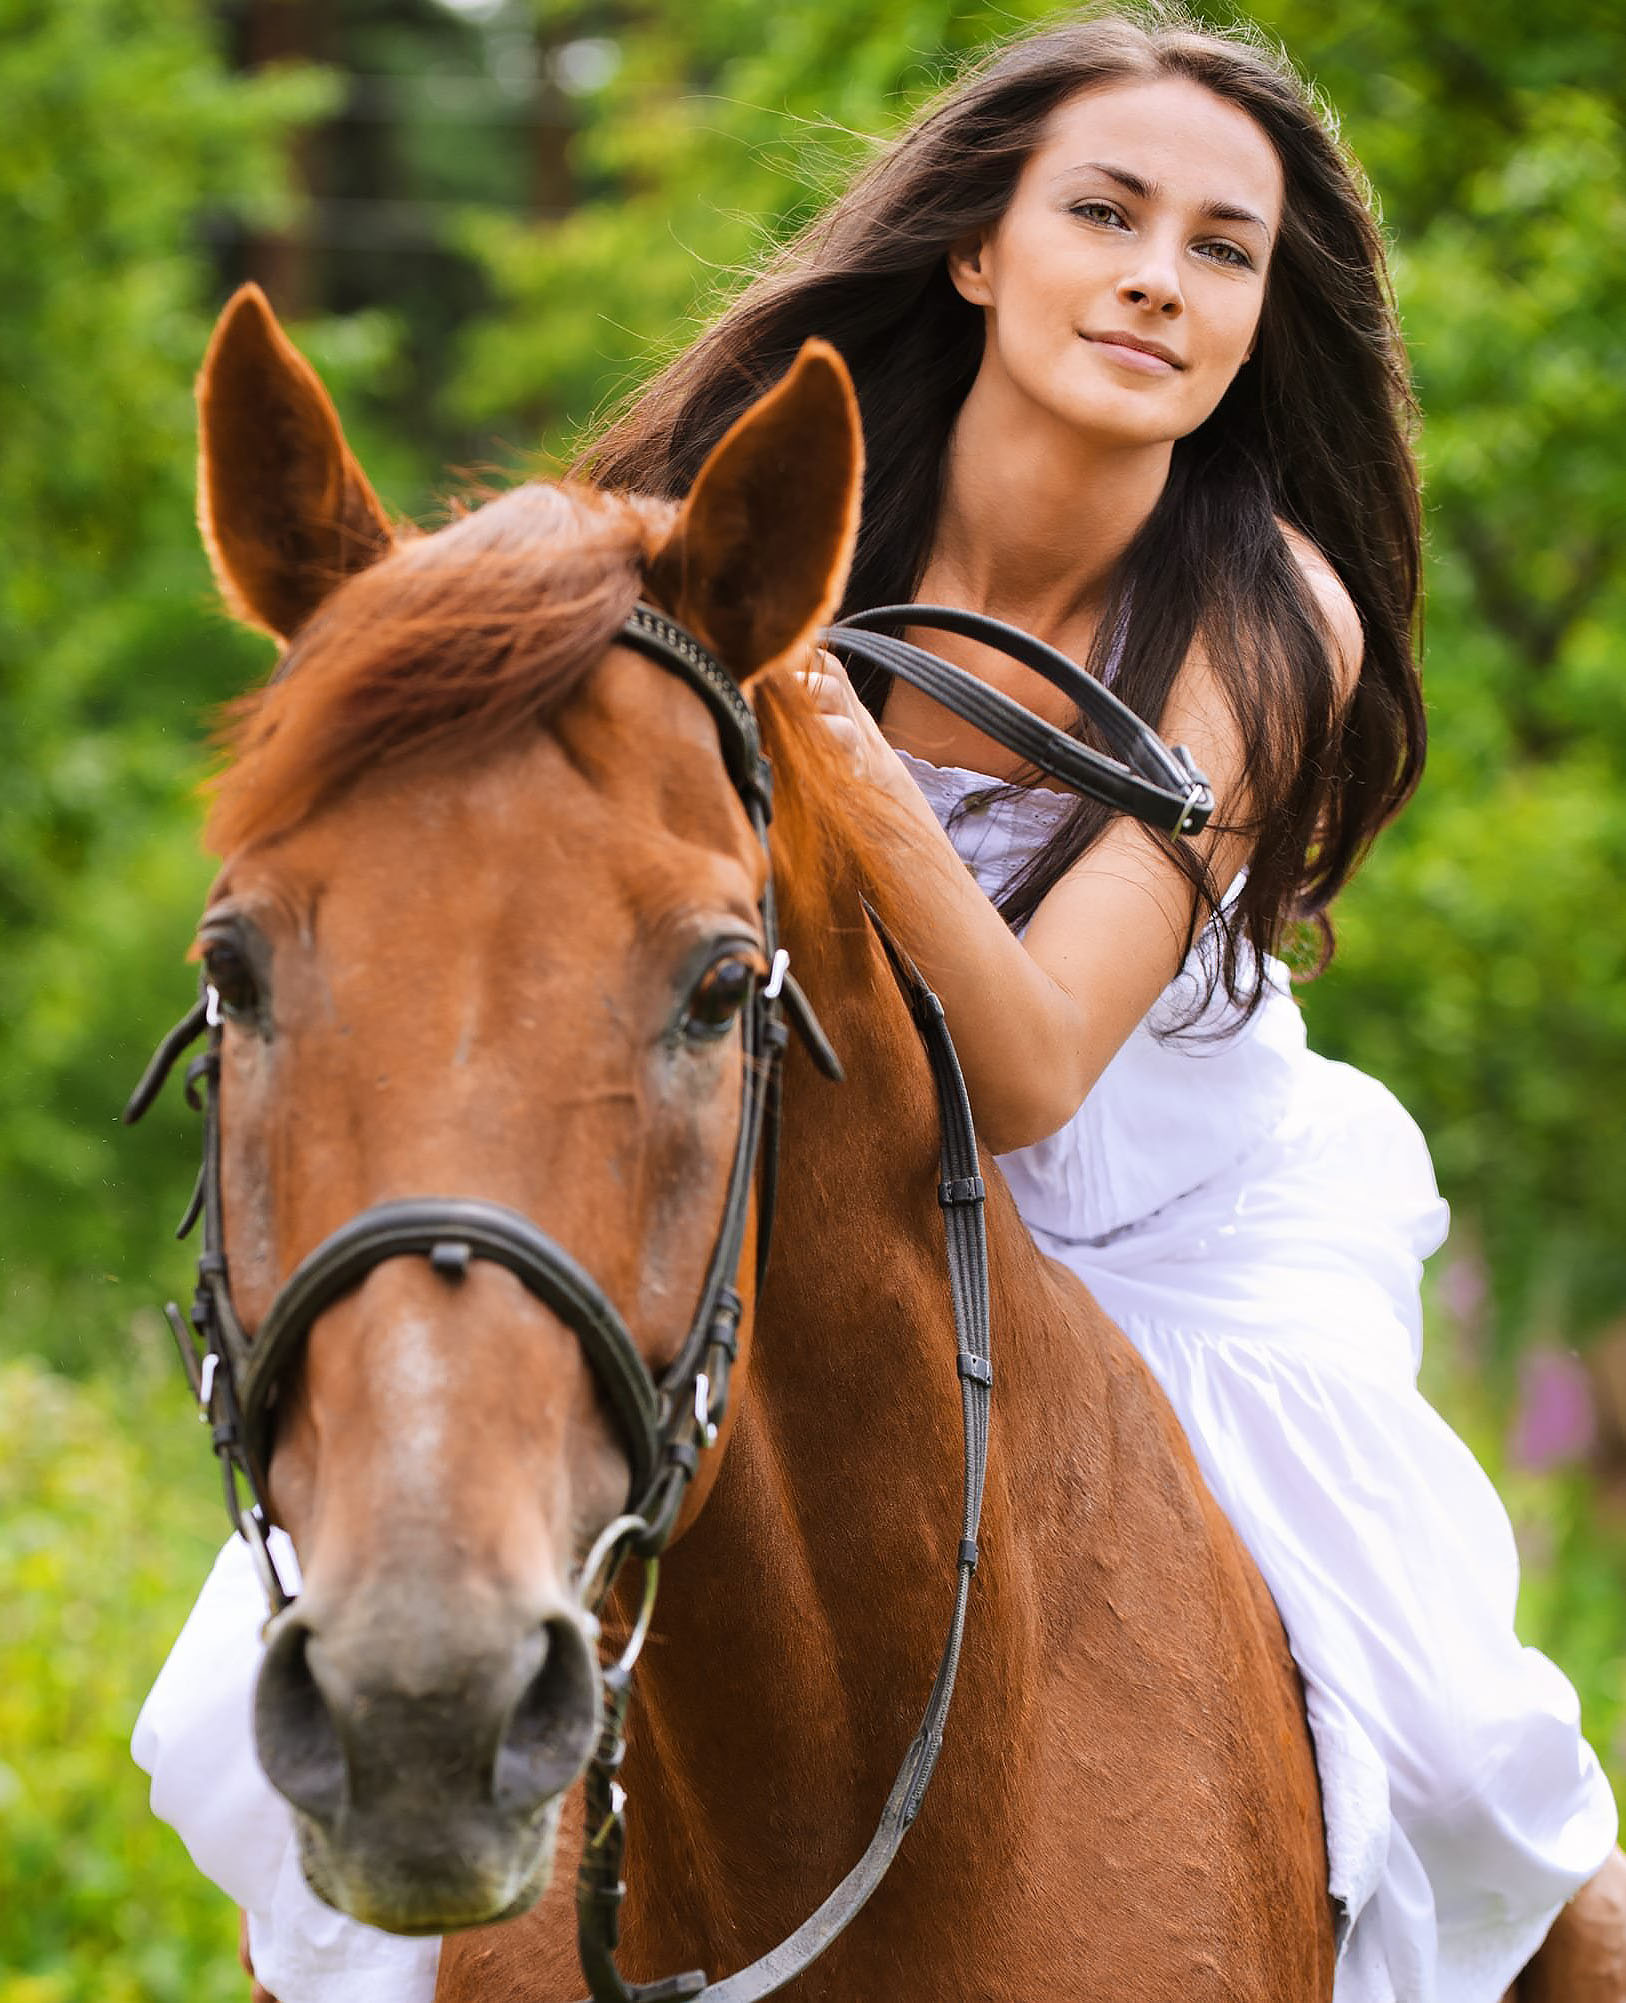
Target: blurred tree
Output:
[
  {"x": 119, "y": 123},
  {"x": 138, "y": 176},
  {"x": 1480, "y": 974},
  {"x": 437, "y": 109}
]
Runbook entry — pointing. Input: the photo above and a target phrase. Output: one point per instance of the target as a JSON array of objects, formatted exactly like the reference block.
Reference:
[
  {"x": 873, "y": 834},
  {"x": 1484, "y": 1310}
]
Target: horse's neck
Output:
[
  {"x": 803, "y": 1614},
  {"x": 1113, "y": 1622}
]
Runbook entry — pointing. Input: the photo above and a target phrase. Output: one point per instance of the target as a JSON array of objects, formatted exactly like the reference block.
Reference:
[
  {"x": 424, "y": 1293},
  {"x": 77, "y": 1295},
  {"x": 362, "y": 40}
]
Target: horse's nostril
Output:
[
  {"x": 506, "y": 1728},
  {"x": 552, "y": 1727},
  {"x": 293, "y": 1729}
]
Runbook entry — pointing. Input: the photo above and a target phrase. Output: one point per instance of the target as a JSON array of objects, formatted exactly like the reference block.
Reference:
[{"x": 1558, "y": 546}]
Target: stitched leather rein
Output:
[{"x": 665, "y": 1424}]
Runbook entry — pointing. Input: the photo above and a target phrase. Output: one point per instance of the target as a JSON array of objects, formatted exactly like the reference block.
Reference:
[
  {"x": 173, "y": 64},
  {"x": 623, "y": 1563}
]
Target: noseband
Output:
[{"x": 665, "y": 1422}]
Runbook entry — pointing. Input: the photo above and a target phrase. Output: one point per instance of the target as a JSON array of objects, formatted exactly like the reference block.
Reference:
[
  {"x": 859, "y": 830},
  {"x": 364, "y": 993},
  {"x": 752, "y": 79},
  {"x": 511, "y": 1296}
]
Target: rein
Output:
[
  {"x": 1152, "y": 781},
  {"x": 666, "y": 1423}
]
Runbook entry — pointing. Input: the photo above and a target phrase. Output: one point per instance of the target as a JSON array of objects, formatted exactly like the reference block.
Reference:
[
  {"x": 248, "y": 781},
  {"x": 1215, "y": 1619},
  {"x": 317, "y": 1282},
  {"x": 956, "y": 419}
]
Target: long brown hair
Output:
[{"x": 1314, "y": 431}]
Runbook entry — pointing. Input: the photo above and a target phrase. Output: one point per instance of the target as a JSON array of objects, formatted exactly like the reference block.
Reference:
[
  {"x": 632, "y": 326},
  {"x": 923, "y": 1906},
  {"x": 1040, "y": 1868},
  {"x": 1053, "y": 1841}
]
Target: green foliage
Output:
[
  {"x": 119, "y": 127},
  {"x": 721, "y": 130},
  {"x": 122, "y": 130},
  {"x": 1572, "y": 1545},
  {"x": 107, "y": 1525},
  {"x": 1481, "y": 975}
]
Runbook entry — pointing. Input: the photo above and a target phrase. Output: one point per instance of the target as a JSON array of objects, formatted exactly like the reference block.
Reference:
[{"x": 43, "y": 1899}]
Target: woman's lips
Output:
[{"x": 1141, "y": 360}]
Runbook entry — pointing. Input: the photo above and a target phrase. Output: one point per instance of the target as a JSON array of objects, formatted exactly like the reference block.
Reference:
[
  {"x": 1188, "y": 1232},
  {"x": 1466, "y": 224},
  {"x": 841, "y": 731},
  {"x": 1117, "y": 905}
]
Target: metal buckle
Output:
[
  {"x": 252, "y": 1529},
  {"x": 1195, "y": 796},
  {"x": 618, "y": 1802},
  {"x": 206, "y": 1386},
  {"x": 702, "y": 1410},
  {"x": 597, "y": 1574},
  {"x": 646, "y": 1615}
]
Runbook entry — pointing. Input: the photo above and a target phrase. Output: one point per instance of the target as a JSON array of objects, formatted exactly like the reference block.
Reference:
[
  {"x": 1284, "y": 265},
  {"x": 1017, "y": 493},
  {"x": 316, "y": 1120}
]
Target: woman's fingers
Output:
[
  {"x": 825, "y": 679},
  {"x": 844, "y": 733},
  {"x": 840, "y": 711},
  {"x": 820, "y": 662}
]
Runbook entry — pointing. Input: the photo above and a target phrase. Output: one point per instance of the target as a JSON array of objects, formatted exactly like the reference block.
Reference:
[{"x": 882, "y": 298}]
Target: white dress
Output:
[{"x": 1255, "y": 1218}]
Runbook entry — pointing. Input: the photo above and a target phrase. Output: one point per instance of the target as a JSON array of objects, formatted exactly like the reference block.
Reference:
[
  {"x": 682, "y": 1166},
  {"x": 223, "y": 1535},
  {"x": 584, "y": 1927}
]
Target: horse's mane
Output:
[{"x": 454, "y": 642}]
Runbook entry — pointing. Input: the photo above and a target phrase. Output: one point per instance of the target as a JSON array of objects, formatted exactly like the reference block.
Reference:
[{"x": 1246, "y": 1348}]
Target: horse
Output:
[{"x": 485, "y": 892}]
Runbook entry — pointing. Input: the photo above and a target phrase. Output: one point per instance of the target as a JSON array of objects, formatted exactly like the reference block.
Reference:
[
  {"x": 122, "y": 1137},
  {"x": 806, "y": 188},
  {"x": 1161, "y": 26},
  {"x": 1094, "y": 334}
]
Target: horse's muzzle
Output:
[{"x": 425, "y": 1764}]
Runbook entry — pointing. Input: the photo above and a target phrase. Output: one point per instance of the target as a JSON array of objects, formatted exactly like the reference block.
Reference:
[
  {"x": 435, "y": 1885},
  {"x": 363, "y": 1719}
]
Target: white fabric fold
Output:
[{"x": 195, "y": 1737}]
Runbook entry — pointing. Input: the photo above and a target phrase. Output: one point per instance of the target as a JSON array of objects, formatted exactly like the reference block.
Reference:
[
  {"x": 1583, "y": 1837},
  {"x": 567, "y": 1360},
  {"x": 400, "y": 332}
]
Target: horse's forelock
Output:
[
  {"x": 457, "y": 640},
  {"x": 450, "y": 643}
]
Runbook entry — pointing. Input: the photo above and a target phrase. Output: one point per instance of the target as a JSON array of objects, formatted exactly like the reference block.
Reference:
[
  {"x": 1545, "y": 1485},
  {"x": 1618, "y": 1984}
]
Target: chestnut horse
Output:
[{"x": 481, "y": 864}]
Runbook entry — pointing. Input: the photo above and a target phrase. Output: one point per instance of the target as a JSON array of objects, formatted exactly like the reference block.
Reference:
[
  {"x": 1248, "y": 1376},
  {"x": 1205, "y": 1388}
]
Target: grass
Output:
[{"x": 108, "y": 1521}]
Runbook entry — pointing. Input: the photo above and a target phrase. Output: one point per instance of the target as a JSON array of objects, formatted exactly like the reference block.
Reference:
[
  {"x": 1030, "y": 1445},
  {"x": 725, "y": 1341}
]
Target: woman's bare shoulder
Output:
[{"x": 1339, "y": 619}]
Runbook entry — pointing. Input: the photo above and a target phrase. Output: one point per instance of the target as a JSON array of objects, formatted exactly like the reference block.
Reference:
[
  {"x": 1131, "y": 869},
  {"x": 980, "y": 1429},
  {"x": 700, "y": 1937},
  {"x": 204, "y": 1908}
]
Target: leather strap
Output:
[
  {"x": 599, "y": 1891},
  {"x": 670, "y": 646},
  {"x": 1154, "y": 782},
  {"x": 449, "y": 1231}
]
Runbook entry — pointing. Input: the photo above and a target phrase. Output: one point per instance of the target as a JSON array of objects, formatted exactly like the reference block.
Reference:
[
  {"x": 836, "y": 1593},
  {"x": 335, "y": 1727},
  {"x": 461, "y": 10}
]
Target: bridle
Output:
[{"x": 667, "y": 1422}]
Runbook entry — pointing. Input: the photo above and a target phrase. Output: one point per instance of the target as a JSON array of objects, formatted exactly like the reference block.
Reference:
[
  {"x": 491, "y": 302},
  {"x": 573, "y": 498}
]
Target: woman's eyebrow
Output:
[
  {"x": 1147, "y": 191},
  {"x": 1231, "y": 212}
]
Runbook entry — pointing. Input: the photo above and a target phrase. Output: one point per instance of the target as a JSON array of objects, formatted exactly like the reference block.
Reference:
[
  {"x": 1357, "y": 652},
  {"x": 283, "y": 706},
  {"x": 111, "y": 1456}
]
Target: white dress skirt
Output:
[{"x": 1255, "y": 1218}]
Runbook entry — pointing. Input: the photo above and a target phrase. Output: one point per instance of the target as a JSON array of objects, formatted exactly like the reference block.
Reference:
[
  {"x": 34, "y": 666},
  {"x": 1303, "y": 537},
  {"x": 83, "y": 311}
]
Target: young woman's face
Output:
[{"x": 1124, "y": 283}]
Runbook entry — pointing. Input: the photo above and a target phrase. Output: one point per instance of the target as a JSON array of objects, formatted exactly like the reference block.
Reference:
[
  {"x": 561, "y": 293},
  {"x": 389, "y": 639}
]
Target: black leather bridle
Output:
[{"x": 666, "y": 1422}]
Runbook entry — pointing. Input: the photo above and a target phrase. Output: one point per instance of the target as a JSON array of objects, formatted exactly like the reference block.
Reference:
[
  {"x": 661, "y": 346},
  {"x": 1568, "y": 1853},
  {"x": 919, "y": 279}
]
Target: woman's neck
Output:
[{"x": 1035, "y": 515}]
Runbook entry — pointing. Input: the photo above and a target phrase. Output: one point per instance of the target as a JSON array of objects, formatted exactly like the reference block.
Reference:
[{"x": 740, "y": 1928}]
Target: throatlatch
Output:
[{"x": 666, "y": 1424}]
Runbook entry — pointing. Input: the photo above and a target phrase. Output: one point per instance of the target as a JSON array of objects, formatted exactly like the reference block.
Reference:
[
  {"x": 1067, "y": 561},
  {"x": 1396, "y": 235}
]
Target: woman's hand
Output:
[{"x": 845, "y": 717}]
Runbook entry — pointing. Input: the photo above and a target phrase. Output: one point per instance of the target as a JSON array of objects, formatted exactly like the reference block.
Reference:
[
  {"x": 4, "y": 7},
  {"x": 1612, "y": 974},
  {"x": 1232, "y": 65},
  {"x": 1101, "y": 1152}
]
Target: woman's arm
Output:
[{"x": 1037, "y": 1020}]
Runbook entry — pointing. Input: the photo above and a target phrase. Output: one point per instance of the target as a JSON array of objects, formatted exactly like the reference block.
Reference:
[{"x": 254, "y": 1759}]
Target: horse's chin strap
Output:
[{"x": 599, "y": 1890}]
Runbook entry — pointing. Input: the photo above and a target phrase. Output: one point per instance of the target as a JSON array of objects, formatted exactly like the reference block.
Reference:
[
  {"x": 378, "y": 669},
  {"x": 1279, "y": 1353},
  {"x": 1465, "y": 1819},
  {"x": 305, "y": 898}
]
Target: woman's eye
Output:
[
  {"x": 1228, "y": 253},
  {"x": 719, "y": 995},
  {"x": 229, "y": 974},
  {"x": 1097, "y": 212}
]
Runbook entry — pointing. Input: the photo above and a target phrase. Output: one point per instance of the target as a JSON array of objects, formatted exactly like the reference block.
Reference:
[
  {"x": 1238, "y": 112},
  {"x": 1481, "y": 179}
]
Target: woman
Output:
[{"x": 1118, "y": 320}]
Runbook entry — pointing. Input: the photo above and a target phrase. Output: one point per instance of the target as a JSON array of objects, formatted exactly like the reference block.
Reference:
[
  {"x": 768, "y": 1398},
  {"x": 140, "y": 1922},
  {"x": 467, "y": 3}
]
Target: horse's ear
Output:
[
  {"x": 286, "y": 512},
  {"x": 758, "y": 557}
]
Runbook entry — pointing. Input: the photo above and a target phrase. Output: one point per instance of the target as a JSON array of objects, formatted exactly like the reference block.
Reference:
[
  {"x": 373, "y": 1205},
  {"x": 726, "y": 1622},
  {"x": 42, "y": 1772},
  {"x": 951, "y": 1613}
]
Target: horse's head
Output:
[{"x": 488, "y": 909}]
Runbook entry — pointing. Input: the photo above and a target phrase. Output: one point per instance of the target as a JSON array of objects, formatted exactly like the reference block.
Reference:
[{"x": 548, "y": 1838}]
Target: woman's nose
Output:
[{"x": 1153, "y": 284}]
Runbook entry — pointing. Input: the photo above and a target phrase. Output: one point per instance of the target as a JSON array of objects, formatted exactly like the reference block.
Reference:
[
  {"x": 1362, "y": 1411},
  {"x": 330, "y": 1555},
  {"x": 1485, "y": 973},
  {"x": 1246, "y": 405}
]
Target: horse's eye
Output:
[
  {"x": 230, "y": 975},
  {"x": 719, "y": 995}
]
